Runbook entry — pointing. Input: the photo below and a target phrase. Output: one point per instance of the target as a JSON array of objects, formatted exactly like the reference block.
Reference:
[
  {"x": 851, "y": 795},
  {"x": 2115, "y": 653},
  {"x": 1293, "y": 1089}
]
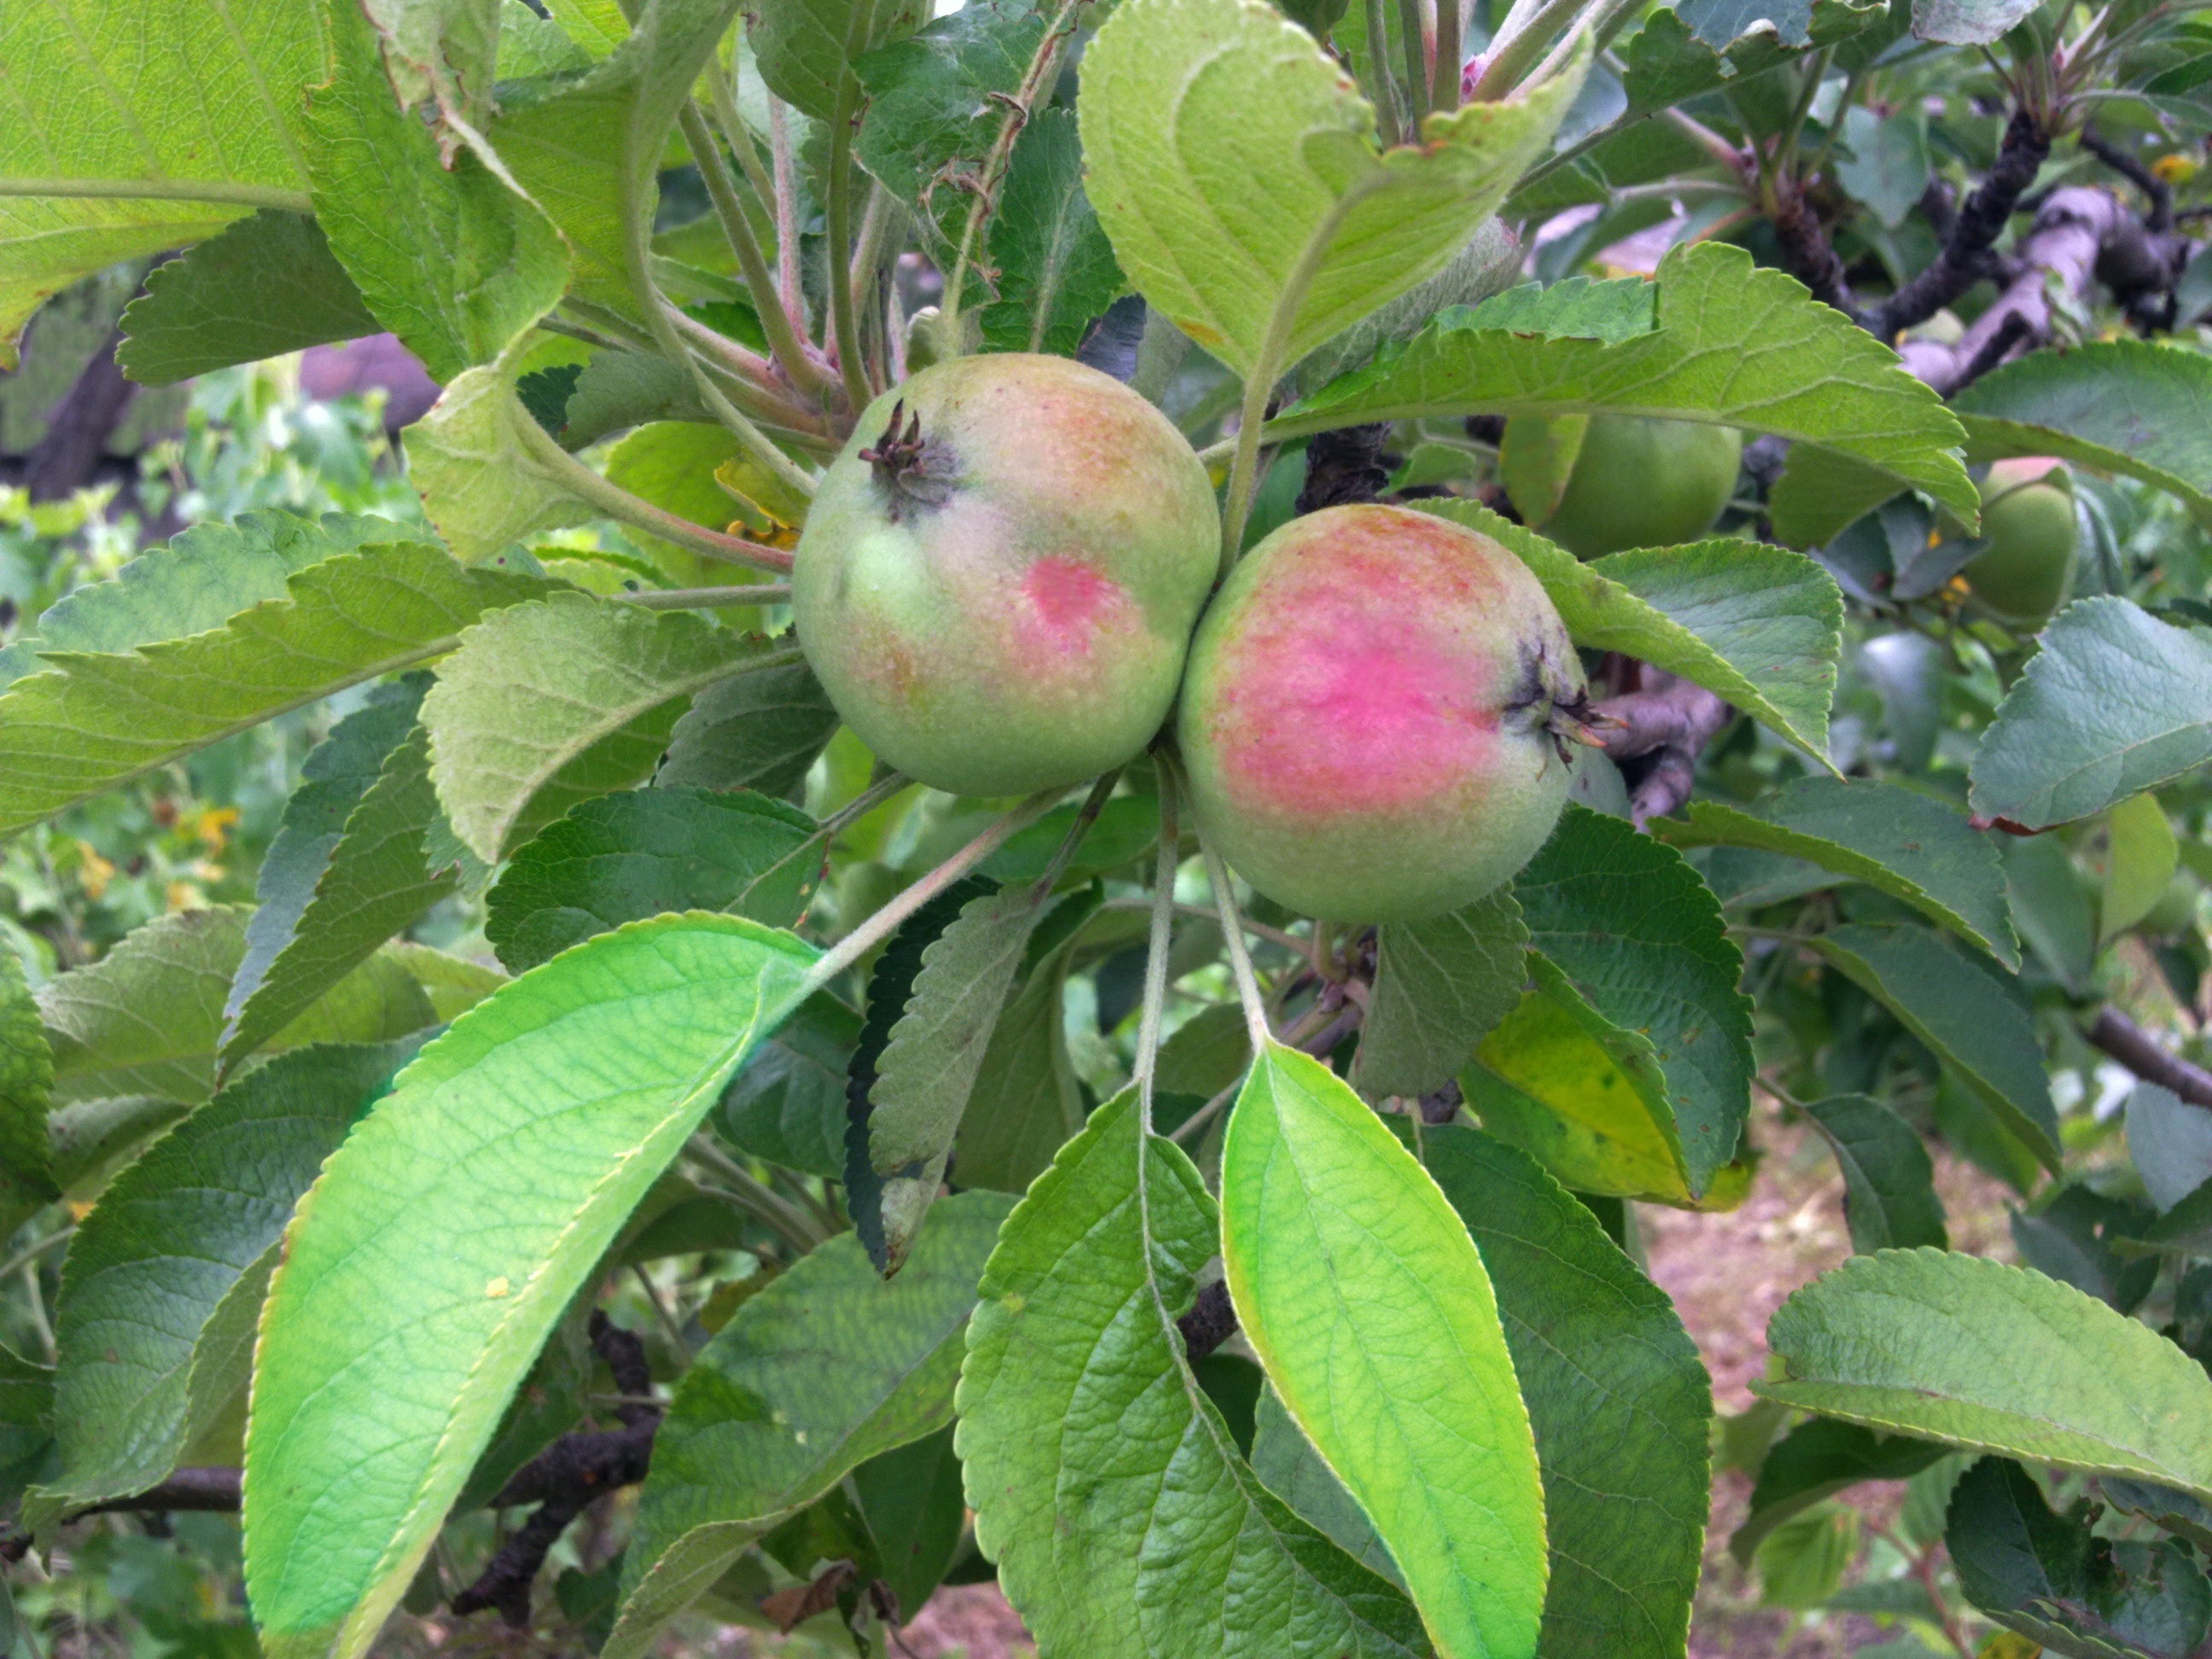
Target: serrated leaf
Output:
[
  {"x": 1441, "y": 986},
  {"x": 569, "y": 696},
  {"x": 441, "y": 49},
  {"x": 618, "y": 390},
  {"x": 1972, "y": 1354},
  {"x": 26, "y": 1082},
  {"x": 1630, "y": 924},
  {"x": 2113, "y": 703},
  {"x": 265, "y": 286},
  {"x": 1229, "y": 159},
  {"x": 1691, "y": 48},
  {"x": 27, "y": 1411},
  {"x": 132, "y": 132},
  {"x": 146, "y": 1019},
  {"x": 1759, "y": 626},
  {"x": 1617, "y": 1396},
  {"x": 1815, "y": 1461},
  {"x": 1026, "y": 1102},
  {"x": 1906, "y": 844},
  {"x": 828, "y": 1366},
  {"x": 1980, "y": 1028},
  {"x": 1075, "y": 1381},
  {"x": 917, "y": 1512},
  {"x": 347, "y": 869},
  {"x": 1613, "y": 310},
  {"x": 453, "y": 984},
  {"x": 168, "y": 1242},
  {"x": 2046, "y": 1576},
  {"x": 806, "y": 49},
  {"x": 762, "y": 728},
  {"x": 787, "y": 1105},
  {"x": 1356, "y": 1284},
  {"x": 1056, "y": 272},
  {"x": 2169, "y": 1142},
  {"x": 1967, "y": 22},
  {"x": 490, "y": 1183},
  {"x": 445, "y": 254},
  {"x": 644, "y": 852},
  {"x": 2125, "y": 406},
  {"x": 471, "y": 461},
  {"x": 90, "y": 721},
  {"x": 1889, "y": 1180},
  {"x": 1289, "y": 1467},
  {"x": 1736, "y": 345}
]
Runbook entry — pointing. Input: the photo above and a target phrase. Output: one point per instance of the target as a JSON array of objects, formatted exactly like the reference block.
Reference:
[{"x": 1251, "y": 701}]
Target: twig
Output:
[
  {"x": 2160, "y": 218},
  {"x": 1665, "y": 725},
  {"x": 1964, "y": 258},
  {"x": 2141, "y": 1053},
  {"x": 1345, "y": 465},
  {"x": 706, "y": 599},
  {"x": 1212, "y": 1319}
]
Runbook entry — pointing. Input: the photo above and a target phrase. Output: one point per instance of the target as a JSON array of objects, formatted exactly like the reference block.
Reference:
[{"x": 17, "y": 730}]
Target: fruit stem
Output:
[
  {"x": 885, "y": 921},
  {"x": 1412, "y": 18},
  {"x": 1156, "y": 946},
  {"x": 845, "y": 335},
  {"x": 1093, "y": 805},
  {"x": 1240, "y": 959},
  {"x": 706, "y": 599},
  {"x": 1385, "y": 89}
]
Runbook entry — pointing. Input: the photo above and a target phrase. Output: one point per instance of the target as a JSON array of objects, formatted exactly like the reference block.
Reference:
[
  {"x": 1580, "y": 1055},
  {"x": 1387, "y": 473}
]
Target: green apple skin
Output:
[
  {"x": 1643, "y": 482},
  {"x": 1366, "y": 722},
  {"x": 1010, "y": 614},
  {"x": 2034, "y": 536}
]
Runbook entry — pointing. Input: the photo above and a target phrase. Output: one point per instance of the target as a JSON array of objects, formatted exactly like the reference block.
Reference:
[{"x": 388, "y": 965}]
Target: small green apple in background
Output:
[
  {"x": 1375, "y": 717},
  {"x": 1000, "y": 575},
  {"x": 2034, "y": 542},
  {"x": 1637, "y": 482}
]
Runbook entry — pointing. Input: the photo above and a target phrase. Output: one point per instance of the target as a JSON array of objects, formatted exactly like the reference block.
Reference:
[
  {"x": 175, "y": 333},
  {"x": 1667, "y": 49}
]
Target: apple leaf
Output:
[
  {"x": 787, "y": 1105},
  {"x": 2113, "y": 703},
  {"x": 1056, "y": 271},
  {"x": 1441, "y": 986},
  {"x": 1759, "y": 626},
  {"x": 1968, "y": 1352},
  {"x": 1359, "y": 1287},
  {"x": 472, "y": 461},
  {"x": 566, "y": 697},
  {"x": 1908, "y": 845},
  {"x": 826, "y": 1368},
  {"x": 806, "y": 51},
  {"x": 761, "y": 728},
  {"x": 1735, "y": 345},
  {"x": 1815, "y": 1461},
  {"x": 27, "y": 1083},
  {"x": 132, "y": 130},
  {"x": 1233, "y": 165},
  {"x": 443, "y": 1241},
  {"x": 1889, "y": 1180},
  {"x": 1076, "y": 1380}
]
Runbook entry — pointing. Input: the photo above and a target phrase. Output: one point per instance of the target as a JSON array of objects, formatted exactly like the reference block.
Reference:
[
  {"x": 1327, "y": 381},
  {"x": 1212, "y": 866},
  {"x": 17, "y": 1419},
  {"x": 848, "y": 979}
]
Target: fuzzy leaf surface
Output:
[
  {"x": 1358, "y": 1285},
  {"x": 1075, "y": 1382},
  {"x": 549, "y": 704},
  {"x": 807, "y": 49},
  {"x": 829, "y": 1367},
  {"x": 644, "y": 852},
  {"x": 489, "y": 1183},
  {"x": 1759, "y": 626},
  {"x": 1441, "y": 986},
  {"x": 1735, "y": 345},
  {"x": 1972, "y": 1354},
  {"x": 2114, "y": 702},
  {"x": 761, "y": 728},
  {"x": 1978, "y": 1027},
  {"x": 1229, "y": 159},
  {"x": 1909, "y": 845}
]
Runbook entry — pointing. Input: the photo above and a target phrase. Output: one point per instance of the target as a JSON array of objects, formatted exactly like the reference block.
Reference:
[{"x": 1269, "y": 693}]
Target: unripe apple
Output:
[
  {"x": 1375, "y": 717},
  {"x": 2034, "y": 541},
  {"x": 1643, "y": 482},
  {"x": 998, "y": 576}
]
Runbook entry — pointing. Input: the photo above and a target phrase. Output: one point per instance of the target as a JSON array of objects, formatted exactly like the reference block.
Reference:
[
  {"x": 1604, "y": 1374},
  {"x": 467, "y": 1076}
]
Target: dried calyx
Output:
[
  {"x": 902, "y": 461},
  {"x": 1564, "y": 711}
]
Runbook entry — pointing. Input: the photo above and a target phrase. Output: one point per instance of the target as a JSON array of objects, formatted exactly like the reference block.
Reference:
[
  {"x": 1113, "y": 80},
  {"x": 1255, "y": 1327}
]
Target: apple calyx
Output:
[{"x": 901, "y": 462}]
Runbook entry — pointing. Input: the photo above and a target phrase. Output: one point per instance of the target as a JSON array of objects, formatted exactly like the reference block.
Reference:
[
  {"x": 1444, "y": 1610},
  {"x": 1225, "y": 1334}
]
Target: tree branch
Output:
[
  {"x": 2141, "y": 1054},
  {"x": 1966, "y": 256},
  {"x": 1345, "y": 465},
  {"x": 1664, "y": 726}
]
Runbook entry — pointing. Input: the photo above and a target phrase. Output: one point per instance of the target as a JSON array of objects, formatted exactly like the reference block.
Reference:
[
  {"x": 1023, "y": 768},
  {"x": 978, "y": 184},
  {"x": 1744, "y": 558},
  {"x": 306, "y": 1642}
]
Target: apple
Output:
[
  {"x": 1642, "y": 483},
  {"x": 2034, "y": 542}
]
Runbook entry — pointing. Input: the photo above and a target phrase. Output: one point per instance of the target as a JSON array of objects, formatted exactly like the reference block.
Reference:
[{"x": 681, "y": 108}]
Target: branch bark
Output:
[
  {"x": 1664, "y": 725},
  {"x": 2141, "y": 1054}
]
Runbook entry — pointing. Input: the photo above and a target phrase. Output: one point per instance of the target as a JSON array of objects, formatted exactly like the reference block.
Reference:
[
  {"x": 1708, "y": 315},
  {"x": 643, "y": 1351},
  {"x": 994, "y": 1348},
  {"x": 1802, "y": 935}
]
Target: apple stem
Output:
[
  {"x": 1240, "y": 958},
  {"x": 1156, "y": 948}
]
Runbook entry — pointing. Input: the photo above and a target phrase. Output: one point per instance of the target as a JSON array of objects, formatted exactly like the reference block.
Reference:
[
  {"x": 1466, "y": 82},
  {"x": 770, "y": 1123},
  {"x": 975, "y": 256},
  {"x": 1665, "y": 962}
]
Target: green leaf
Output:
[
  {"x": 1822, "y": 493},
  {"x": 1056, "y": 271},
  {"x": 27, "y": 1411},
  {"x": 265, "y": 286},
  {"x": 1980, "y": 1028},
  {"x": 146, "y": 1019},
  {"x": 1076, "y": 1383},
  {"x": 130, "y": 131},
  {"x": 1617, "y": 1396},
  {"x": 1126, "y": 829},
  {"x": 1614, "y": 310},
  {"x": 642, "y": 853},
  {"x": 589, "y": 155},
  {"x": 1972, "y": 1354},
  {"x": 346, "y": 871},
  {"x": 1629, "y": 923},
  {"x": 2141, "y": 854},
  {"x": 26, "y": 1082},
  {"x": 453, "y": 984},
  {"x": 618, "y": 390},
  {"x": 1289, "y": 1467},
  {"x": 548, "y": 703},
  {"x": 915, "y": 1507},
  {"x": 483, "y": 484},
  {"x": 446, "y": 254},
  {"x": 1441, "y": 986},
  {"x": 2125, "y": 406},
  {"x": 1889, "y": 1180},
  {"x": 1026, "y": 1102},
  {"x": 2048, "y": 1577},
  {"x": 1359, "y": 1287},
  {"x": 489, "y": 1183},
  {"x": 787, "y": 1105},
  {"x": 441, "y": 49},
  {"x": 1736, "y": 345},
  {"x": 1967, "y": 22},
  {"x": 1208, "y": 1052},
  {"x": 166, "y": 1243},
  {"x": 2115, "y": 702},
  {"x": 1815, "y": 1461},
  {"x": 761, "y": 728},
  {"x": 1232, "y": 163},
  {"x": 928, "y": 1070},
  {"x": 807, "y": 49},
  {"x": 90, "y": 721},
  {"x": 828, "y": 1366},
  {"x": 1687, "y": 50},
  {"x": 1759, "y": 626},
  {"x": 1910, "y": 845}
]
